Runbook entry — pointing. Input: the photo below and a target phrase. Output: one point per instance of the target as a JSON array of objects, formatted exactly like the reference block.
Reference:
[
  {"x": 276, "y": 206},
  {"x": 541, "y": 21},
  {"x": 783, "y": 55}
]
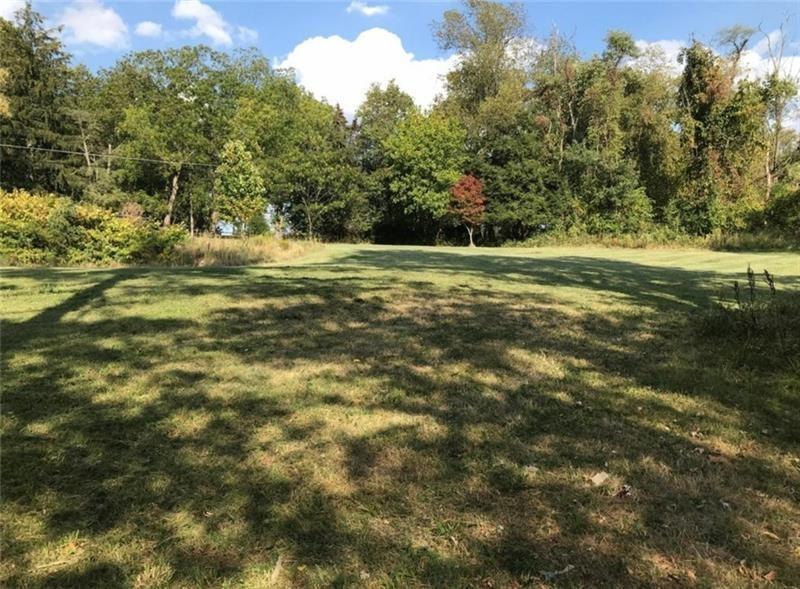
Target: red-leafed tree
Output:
[{"x": 468, "y": 203}]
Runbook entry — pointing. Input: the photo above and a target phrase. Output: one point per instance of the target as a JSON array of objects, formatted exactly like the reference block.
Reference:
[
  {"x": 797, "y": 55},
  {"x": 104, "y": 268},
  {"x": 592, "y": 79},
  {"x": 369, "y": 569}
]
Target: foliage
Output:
[
  {"x": 5, "y": 108},
  {"x": 323, "y": 187},
  {"x": 238, "y": 188},
  {"x": 47, "y": 229},
  {"x": 426, "y": 157},
  {"x": 468, "y": 204},
  {"x": 37, "y": 90},
  {"x": 484, "y": 33},
  {"x": 376, "y": 120}
]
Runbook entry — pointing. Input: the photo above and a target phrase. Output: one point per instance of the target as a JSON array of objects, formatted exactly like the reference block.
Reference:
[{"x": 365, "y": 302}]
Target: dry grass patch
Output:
[{"x": 247, "y": 251}]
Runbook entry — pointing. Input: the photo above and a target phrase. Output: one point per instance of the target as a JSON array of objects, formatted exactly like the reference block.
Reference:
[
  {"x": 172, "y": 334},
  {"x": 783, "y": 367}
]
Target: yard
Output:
[{"x": 374, "y": 416}]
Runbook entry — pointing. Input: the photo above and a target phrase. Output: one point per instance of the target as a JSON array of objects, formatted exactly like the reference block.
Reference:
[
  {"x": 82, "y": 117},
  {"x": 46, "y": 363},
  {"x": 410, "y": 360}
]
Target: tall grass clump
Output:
[
  {"x": 761, "y": 321},
  {"x": 246, "y": 251}
]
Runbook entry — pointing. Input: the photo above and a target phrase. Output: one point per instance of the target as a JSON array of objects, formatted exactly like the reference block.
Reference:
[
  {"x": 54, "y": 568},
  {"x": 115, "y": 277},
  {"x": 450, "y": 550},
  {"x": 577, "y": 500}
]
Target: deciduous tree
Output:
[
  {"x": 468, "y": 203},
  {"x": 238, "y": 188}
]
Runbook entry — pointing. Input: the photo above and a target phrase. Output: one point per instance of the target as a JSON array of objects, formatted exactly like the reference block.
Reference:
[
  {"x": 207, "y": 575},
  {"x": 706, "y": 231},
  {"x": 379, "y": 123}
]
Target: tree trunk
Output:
[
  {"x": 769, "y": 178},
  {"x": 470, "y": 229},
  {"x": 172, "y": 196},
  {"x": 191, "y": 217},
  {"x": 108, "y": 162},
  {"x": 86, "y": 152},
  {"x": 309, "y": 222}
]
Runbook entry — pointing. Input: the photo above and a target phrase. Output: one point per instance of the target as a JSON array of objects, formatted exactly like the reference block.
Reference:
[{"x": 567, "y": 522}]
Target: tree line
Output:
[{"x": 529, "y": 137}]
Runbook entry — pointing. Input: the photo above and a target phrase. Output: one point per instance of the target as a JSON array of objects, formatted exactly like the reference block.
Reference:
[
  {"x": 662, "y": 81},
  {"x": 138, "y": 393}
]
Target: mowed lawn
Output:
[{"x": 396, "y": 417}]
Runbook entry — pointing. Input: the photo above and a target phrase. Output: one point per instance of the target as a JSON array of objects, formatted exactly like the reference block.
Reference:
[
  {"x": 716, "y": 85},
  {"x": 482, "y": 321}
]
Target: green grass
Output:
[{"x": 395, "y": 417}]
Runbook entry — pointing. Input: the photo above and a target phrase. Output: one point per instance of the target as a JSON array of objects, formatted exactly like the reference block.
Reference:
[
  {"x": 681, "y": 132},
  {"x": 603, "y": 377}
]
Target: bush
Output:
[
  {"x": 783, "y": 211},
  {"x": 49, "y": 229}
]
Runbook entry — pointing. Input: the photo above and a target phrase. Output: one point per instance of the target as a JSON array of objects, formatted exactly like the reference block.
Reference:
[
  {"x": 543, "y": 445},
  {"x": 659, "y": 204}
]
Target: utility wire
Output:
[{"x": 106, "y": 155}]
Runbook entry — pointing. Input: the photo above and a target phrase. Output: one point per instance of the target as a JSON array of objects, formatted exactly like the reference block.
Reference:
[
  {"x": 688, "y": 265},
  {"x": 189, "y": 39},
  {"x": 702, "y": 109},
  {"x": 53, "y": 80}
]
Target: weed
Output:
[{"x": 763, "y": 321}]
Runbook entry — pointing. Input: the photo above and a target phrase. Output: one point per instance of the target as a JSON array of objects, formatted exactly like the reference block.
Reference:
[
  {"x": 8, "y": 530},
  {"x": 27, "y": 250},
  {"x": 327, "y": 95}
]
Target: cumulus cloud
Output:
[
  {"x": 9, "y": 7},
  {"x": 366, "y": 9},
  {"x": 341, "y": 71},
  {"x": 207, "y": 21},
  {"x": 148, "y": 28},
  {"x": 92, "y": 23}
]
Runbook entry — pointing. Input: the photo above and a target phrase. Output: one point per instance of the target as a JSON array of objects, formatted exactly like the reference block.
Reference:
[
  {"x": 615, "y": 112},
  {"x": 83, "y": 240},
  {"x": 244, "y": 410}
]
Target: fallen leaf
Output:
[
  {"x": 769, "y": 534},
  {"x": 770, "y": 576},
  {"x": 600, "y": 478}
]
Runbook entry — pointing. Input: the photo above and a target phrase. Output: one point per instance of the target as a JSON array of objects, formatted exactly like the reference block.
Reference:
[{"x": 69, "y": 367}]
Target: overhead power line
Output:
[{"x": 106, "y": 155}]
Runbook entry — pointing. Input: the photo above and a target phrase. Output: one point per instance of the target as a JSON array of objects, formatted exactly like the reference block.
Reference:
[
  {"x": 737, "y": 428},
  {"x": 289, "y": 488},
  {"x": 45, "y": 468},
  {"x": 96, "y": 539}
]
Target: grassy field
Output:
[{"x": 396, "y": 417}]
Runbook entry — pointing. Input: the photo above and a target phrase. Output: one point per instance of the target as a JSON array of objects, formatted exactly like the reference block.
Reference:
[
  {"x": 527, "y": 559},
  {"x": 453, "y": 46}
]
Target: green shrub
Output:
[
  {"x": 783, "y": 211},
  {"x": 49, "y": 229}
]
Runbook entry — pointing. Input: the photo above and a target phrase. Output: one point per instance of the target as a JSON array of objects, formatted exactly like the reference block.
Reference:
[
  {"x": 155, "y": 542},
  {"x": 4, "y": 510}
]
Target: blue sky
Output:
[{"x": 322, "y": 41}]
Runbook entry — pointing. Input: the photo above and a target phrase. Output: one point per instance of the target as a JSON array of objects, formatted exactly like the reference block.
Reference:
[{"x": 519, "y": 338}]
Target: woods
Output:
[{"x": 613, "y": 144}]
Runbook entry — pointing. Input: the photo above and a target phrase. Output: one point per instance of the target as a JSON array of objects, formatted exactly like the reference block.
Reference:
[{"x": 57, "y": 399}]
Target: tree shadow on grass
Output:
[
  {"x": 659, "y": 286},
  {"x": 374, "y": 430}
]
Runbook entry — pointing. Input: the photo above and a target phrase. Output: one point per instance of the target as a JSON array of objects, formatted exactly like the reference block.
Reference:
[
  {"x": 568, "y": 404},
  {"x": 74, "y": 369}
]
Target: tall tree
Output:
[
  {"x": 178, "y": 112},
  {"x": 468, "y": 204},
  {"x": 382, "y": 110},
  {"x": 39, "y": 93},
  {"x": 488, "y": 36},
  {"x": 315, "y": 181},
  {"x": 238, "y": 188},
  {"x": 426, "y": 157}
]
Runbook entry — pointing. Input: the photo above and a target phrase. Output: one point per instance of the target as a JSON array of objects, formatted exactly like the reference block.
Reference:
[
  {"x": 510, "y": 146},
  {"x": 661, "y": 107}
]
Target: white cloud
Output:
[
  {"x": 246, "y": 35},
  {"x": 89, "y": 22},
  {"x": 148, "y": 28},
  {"x": 366, "y": 9},
  {"x": 756, "y": 62},
  {"x": 9, "y": 7},
  {"x": 341, "y": 71},
  {"x": 661, "y": 54},
  {"x": 207, "y": 21}
]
